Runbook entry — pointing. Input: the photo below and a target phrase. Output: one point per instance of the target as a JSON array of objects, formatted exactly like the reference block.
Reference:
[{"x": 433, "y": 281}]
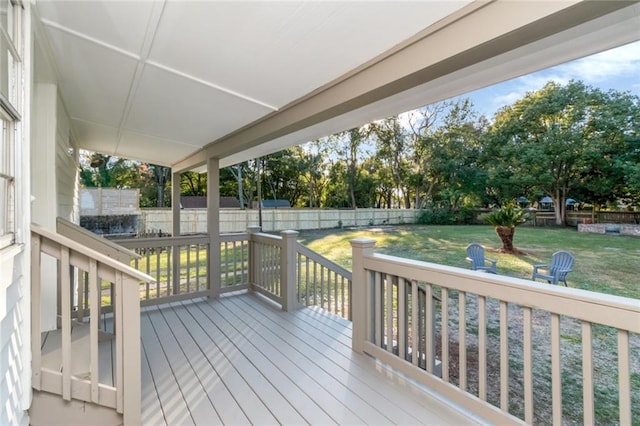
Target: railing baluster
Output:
[
  {"x": 226, "y": 263},
  {"x": 389, "y": 284},
  {"x": 482, "y": 348},
  {"x": 377, "y": 324},
  {"x": 272, "y": 268},
  {"x": 315, "y": 279},
  {"x": 158, "y": 281},
  {"x": 402, "y": 318},
  {"x": 322, "y": 286},
  {"x": 94, "y": 297},
  {"x": 462, "y": 339},
  {"x": 200, "y": 248},
  {"x": 335, "y": 292},
  {"x": 445, "y": 334},
  {"x": 415, "y": 329},
  {"x": 235, "y": 263},
  {"x": 299, "y": 278},
  {"x": 79, "y": 294},
  {"x": 342, "y": 295},
  {"x": 527, "y": 364},
  {"x": 624, "y": 377},
  {"x": 504, "y": 356},
  {"x": 65, "y": 301},
  {"x": 188, "y": 273},
  {"x": 428, "y": 329},
  {"x": 556, "y": 370},
  {"x": 587, "y": 374}
]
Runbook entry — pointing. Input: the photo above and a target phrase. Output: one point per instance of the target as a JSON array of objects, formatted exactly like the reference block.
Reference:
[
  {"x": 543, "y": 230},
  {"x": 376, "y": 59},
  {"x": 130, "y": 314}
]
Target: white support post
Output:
[
  {"x": 288, "y": 282},
  {"x": 360, "y": 301},
  {"x": 251, "y": 230},
  {"x": 175, "y": 204},
  {"x": 213, "y": 225},
  {"x": 175, "y": 231}
]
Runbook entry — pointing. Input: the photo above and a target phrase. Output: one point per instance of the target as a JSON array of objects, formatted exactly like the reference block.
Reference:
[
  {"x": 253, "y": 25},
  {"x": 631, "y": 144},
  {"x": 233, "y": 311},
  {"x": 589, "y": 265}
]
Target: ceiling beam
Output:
[{"x": 476, "y": 33}]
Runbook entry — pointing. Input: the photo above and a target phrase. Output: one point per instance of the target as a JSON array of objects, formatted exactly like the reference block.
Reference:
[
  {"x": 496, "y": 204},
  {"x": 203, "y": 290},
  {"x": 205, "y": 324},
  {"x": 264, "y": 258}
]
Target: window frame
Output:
[{"x": 11, "y": 38}]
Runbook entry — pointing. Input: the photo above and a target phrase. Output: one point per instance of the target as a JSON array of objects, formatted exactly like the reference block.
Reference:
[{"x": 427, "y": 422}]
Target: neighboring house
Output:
[
  {"x": 193, "y": 84},
  {"x": 200, "y": 202}
]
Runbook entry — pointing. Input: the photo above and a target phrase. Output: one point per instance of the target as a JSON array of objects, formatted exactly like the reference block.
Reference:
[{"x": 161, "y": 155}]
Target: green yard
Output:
[{"x": 604, "y": 263}]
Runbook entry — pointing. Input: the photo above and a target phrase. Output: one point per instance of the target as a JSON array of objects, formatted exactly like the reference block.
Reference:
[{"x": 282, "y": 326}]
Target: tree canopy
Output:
[{"x": 564, "y": 141}]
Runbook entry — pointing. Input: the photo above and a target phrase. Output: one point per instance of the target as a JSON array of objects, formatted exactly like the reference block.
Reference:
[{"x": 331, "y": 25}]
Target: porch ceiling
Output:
[{"x": 174, "y": 82}]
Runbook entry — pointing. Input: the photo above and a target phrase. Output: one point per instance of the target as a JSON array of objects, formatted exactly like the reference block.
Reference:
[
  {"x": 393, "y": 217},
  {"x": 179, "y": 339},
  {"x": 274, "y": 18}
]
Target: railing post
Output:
[
  {"x": 129, "y": 309},
  {"x": 253, "y": 260},
  {"x": 360, "y": 300},
  {"x": 288, "y": 283}
]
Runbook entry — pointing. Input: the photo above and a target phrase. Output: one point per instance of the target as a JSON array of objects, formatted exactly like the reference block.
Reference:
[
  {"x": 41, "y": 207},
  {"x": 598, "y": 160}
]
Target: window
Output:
[
  {"x": 10, "y": 69},
  {"x": 7, "y": 194}
]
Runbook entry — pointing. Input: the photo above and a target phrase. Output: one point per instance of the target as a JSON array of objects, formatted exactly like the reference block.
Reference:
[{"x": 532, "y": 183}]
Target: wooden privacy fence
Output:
[
  {"x": 71, "y": 367},
  {"x": 501, "y": 340}
]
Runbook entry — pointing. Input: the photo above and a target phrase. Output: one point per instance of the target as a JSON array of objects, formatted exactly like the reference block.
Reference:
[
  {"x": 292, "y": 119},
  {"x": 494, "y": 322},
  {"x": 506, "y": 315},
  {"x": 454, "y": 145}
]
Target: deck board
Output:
[
  {"x": 315, "y": 331},
  {"x": 240, "y": 360}
]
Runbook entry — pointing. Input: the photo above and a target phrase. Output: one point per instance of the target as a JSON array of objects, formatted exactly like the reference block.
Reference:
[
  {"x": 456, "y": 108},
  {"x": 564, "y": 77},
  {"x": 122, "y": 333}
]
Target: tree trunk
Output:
[
  {"x": 506, "y": 234},
  {"x": 240, "y": 189}
]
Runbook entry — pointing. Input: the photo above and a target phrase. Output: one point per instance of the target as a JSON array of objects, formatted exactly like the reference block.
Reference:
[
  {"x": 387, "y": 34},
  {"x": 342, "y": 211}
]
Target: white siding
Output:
[
  {"x": 66, "y": 168},
  {"x": 15, "y": 298},
  {"x": 14, "y": 339}
]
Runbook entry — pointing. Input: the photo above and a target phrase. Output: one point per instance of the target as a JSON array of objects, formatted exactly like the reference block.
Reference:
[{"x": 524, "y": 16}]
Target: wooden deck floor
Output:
[{"x": 240, "y": 360}]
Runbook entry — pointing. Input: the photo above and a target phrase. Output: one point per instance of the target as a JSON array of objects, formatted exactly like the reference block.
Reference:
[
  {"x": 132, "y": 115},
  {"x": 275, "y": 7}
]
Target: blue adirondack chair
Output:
[
  {"x": 475, "y": 255},
  {"x": 561, "y": 264}
]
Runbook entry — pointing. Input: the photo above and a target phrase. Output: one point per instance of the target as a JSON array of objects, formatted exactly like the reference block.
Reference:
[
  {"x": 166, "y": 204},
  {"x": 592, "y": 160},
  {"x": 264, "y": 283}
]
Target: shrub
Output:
[{"x": 446, "y": 216}]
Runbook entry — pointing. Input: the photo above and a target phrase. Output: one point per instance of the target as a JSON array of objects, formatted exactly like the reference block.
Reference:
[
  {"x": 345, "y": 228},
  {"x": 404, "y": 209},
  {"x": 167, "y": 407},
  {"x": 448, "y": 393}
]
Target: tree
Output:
[
  {"x": 393, "y": 153},
  {"x": 281, "y": 175},
  {"x": 447, "y": 152},
  {"x": 348, "y": 146},
  {"x": 113, "y": 172},
  {"x": 562, "y": 141},
  {"x": 505, "y": 221},
  {"x": 193, "y": 184}
]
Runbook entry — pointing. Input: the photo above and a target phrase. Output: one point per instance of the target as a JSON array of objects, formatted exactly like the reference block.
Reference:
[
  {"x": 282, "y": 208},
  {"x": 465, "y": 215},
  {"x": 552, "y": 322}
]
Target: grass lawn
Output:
[{"x": 604, "y": 263}]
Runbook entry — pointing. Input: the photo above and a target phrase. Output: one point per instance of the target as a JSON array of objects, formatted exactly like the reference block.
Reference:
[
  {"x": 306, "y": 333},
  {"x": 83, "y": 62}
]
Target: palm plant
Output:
[{"x": 505, "y": 221}]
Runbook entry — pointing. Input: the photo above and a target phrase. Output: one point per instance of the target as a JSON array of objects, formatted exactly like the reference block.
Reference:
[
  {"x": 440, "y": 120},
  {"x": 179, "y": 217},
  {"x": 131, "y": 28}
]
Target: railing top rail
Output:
[
  {"x": 163, "y": 241},
  {"x": 304, "y": 250},
  {"x": 67, "y": 242},
  {"x": 267, "y": 238},
  {"x": 234, "y": 236},
  {"x": 615, "y": 311},
  {"x": 76, "y": 232}
]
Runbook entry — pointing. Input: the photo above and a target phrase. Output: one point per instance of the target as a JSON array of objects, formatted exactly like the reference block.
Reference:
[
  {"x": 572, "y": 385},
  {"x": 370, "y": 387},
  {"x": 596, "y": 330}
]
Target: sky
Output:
[{"x": 617, "y": 69}]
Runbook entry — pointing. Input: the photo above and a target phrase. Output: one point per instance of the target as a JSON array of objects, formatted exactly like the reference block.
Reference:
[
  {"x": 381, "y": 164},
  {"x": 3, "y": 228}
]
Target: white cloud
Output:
[
  {"x": 622, "y": 61},
  {"x": 602, "y": 69}
]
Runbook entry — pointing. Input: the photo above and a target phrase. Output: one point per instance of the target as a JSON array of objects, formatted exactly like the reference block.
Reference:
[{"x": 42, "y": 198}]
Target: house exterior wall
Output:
[
  {"x": 66, "y": 169},
  {"x": 15, "y": 298}
]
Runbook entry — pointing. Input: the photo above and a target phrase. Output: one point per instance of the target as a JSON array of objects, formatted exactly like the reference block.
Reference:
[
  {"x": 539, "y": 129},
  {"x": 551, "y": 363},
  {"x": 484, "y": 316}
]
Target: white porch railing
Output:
[
  {"x": 293, "y": 275},
  {"x": 264, "y": 263},
  {"x": 322, "y": 283},
  {"x": 180, "y": 265},
  {"x": 513, "y": 337},
  {"x": 75, "y": 261}
]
